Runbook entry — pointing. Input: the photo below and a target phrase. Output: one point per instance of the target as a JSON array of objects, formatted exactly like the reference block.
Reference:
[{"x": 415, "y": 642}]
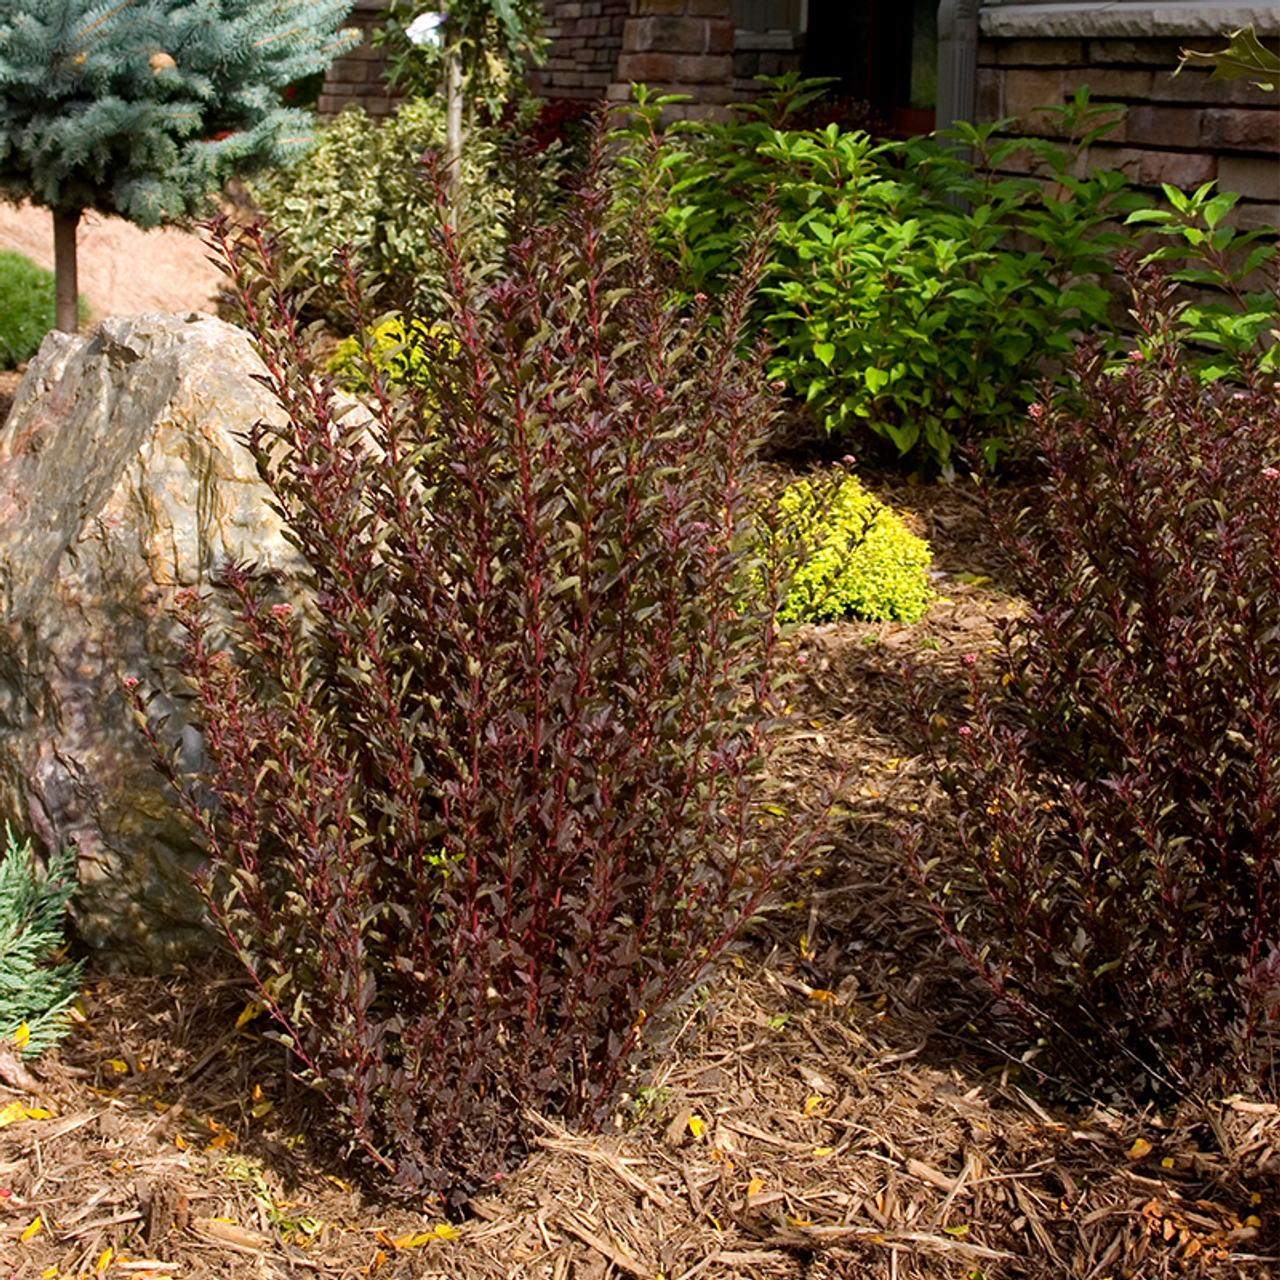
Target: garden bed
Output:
[{"x": 839, "y": 1102}]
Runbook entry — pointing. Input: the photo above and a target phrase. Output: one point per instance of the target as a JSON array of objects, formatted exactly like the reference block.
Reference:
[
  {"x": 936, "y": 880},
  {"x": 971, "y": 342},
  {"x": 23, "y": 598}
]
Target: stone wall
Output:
[
  {"x": 1184, "y": 130},
  {"x": 585, "y": 41},
  {"x": 678, "y": 46},
  {"x": 359, "y": 76},
  {"x": 764, "y": 53}
]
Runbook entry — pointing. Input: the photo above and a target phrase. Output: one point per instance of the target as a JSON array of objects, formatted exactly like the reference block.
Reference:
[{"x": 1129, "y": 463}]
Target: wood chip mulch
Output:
[{"x": 838, "y": 1103}]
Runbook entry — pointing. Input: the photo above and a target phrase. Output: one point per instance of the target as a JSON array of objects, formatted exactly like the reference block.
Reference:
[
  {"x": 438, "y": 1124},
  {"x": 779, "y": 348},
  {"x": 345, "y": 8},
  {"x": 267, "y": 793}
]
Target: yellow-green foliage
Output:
[
  {"x": 860, "y": 559},
  {"x": 394, "y": 352}
]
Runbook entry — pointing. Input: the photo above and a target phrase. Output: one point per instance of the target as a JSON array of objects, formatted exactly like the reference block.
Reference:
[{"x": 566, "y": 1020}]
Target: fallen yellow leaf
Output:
[
  {"x": 32, "y": 1229},
  {"x": 823, "y": 1151},
  {"x": 223, "y": 1138},
  {"x": 1140, "y": 1150},
  {"x": 252, "y": 1010},
  {"x": 961, "y": 1230},
  {"x": 22, "y": 1035},
  {"x": 696, "y": 1126},
  {"x": 755, "y": 1187},
  {"x": 1253, "y": 1221},
  {"x": 104, "y": 1259},
  {"x": 119, "y": 1066},
  {"x": 12, "y": 1111},
  {"x": 48, "y": 1273},
  {"x": 1167, "y": 1163},
  {"x": 413, "y": 1239},
  {"x": 445, "y": 1232}
]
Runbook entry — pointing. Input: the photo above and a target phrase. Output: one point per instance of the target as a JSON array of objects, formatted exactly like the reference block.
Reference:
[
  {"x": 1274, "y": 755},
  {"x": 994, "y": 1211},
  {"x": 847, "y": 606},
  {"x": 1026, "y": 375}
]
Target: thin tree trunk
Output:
[
  {"x": 452, "y": 110},
  {"x": 67, "y": 287}
]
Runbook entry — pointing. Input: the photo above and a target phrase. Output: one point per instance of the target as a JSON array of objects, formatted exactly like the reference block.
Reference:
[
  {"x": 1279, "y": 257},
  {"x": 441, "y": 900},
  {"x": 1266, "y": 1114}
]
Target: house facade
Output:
[{"x": 918, "y": 63}]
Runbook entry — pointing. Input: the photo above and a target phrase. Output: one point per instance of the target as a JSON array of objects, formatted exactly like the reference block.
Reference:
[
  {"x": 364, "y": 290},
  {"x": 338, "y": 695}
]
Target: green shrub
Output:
[
  {"x": 860, "y": 560},
  {"x": 27, "y": 308},
  {"x": 1230, "y": 326},
  {"x": 1116, "y": 792},
  {"x": 35, "y": 987},
  {"x": 363, "y": 184},
  {"x": 894, "y": 300}
]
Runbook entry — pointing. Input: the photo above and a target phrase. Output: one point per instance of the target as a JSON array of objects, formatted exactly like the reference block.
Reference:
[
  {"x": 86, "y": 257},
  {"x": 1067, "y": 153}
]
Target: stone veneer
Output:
[
  {"x": 678, "y": 46},
  {"x": 360, "y": 76},
  {"x": 1182, "y": 129},
  {"x": 584, "y": 41}
]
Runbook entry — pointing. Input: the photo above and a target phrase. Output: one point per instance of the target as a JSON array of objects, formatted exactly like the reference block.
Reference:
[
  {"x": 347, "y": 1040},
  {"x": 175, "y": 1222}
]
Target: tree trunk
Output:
[
  {"x": 67, "y": 288},
  {"x": 452, "y": 109}
]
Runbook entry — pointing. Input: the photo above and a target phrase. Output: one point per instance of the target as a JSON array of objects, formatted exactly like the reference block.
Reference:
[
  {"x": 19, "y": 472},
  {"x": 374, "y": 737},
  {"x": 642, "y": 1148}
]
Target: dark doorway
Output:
[{"x": 883, "y": 51}]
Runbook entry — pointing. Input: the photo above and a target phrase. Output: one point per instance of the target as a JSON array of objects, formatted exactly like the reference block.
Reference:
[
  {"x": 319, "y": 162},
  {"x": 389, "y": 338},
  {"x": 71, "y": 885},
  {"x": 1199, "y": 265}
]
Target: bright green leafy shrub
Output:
[
  {"x": 895, "y": 300},
  {"x": 35, "y": 988},
  {"x": 1203, "y": 249},
  {"x": 860, "y": 559},
  {"x": 27, "y": 307}
]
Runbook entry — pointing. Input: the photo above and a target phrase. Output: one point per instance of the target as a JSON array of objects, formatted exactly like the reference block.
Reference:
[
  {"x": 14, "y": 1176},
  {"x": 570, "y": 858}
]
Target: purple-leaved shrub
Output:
[
  {"x": 1117, "y": 793},
  {"x": 480, "y": 819}
]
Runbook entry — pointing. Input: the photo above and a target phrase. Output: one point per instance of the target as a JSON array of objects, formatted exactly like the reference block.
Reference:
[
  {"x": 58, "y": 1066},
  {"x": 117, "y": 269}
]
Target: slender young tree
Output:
[
  {"x": 455, "y": 46},
  {"x": 141, "y": 108}
]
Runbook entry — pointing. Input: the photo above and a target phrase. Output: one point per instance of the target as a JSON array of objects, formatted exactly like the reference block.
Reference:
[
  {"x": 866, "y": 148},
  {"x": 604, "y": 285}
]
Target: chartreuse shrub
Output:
[
  {"x": 393, "y": 348},
  {"x": 35, "y": 986},
  {"x": 1116, "y": 794},
  {"x": 858, "y": 560},
  {"x": 896, "y": 301},
  {"x": 489, "y": 807},
  {"x": 27, "y": 307}
]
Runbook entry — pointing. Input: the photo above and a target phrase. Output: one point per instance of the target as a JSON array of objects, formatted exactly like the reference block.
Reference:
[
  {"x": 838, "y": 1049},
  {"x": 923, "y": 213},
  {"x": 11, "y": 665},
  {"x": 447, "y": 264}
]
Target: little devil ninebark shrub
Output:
[
  {"x": 1118, "y": 794},
  {"x": 485, "y": 819}
]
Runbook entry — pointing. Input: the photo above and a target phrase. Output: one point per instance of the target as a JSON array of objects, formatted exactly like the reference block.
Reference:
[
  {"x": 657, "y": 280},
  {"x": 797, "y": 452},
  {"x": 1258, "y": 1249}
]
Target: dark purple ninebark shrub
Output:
[
  {"x": 1117, "y": 794},
  {"x": 483, "y": 820}
]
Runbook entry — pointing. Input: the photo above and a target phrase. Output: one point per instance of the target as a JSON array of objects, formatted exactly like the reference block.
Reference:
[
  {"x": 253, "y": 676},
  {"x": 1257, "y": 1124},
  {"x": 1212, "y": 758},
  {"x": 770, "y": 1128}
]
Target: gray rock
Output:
[{"x": 121, "y": 482}]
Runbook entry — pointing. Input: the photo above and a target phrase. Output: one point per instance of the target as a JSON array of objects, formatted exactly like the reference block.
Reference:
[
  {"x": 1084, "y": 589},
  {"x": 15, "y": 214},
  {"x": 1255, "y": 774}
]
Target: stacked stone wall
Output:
[
  {"x": 359, "y": 77},
  {"x": 1183, "y": 129},
  {"x": 584, "y": 44},
  {"x": 678, "y": 47}
]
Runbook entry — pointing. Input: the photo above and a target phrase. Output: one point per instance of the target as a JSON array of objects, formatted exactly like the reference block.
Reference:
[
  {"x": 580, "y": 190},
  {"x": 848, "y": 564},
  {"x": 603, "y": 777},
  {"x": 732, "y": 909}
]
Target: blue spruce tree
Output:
[{"x": 141, "y": 108}]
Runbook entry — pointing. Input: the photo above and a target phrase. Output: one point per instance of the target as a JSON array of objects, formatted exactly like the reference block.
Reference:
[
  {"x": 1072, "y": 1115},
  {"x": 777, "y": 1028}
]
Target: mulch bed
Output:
[{"x": 838, "y": 1103}]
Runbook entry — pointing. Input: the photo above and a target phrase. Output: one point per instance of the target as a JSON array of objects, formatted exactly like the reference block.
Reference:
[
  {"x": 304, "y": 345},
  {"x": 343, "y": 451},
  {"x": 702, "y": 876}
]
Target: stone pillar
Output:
[
  {"x": 679, "y": 46},
  {"x": 359, "y": 76}
]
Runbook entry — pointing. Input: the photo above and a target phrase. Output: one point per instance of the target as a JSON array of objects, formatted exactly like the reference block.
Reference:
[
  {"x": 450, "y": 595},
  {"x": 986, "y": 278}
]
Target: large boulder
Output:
[{"x": 121, "y": 482}]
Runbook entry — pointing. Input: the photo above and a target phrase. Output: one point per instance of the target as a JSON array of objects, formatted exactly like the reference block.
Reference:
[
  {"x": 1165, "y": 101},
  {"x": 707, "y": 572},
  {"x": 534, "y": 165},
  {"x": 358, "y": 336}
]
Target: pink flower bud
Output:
[
  {"x": 965, "y": 731},
  {"x": 969, "y": 659},
  {"x": 1270, "y": 473}
]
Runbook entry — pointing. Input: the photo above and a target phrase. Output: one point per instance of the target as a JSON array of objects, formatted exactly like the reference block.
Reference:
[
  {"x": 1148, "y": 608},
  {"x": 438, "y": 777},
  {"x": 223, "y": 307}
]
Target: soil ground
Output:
[{"x": 837, "y": 1106}]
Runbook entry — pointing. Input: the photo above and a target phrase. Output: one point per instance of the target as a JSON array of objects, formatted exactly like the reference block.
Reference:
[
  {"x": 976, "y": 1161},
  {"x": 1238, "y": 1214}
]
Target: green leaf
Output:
[{"x": 1244, "y": 58}]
